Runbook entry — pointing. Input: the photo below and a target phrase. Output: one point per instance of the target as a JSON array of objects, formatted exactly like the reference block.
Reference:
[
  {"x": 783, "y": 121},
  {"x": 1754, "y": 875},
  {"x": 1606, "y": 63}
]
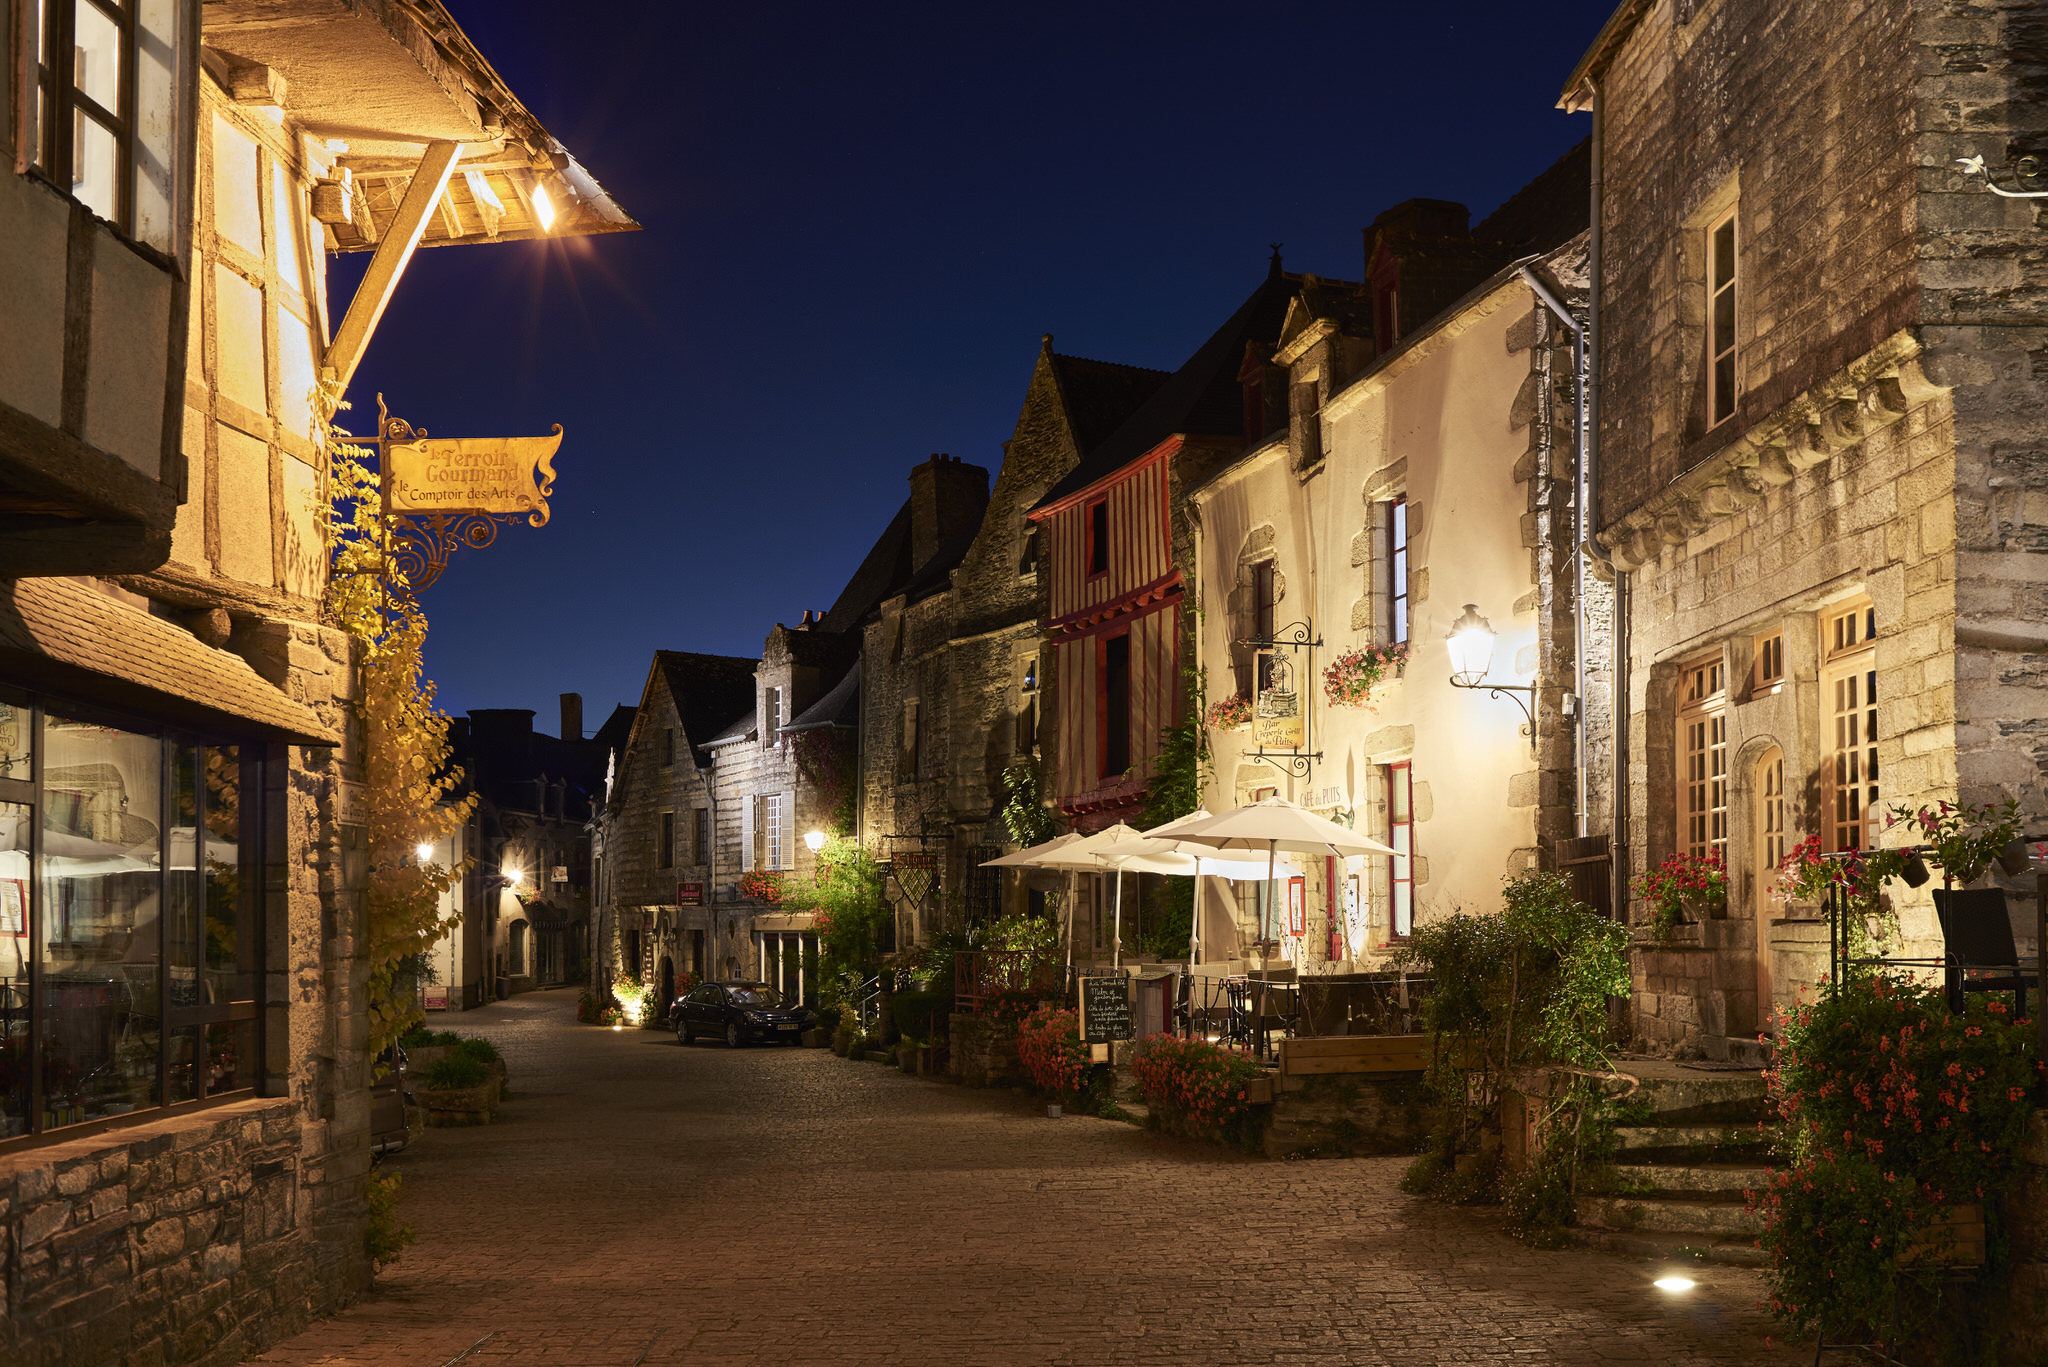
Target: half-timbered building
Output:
[{"x": 1118, "y": 551}]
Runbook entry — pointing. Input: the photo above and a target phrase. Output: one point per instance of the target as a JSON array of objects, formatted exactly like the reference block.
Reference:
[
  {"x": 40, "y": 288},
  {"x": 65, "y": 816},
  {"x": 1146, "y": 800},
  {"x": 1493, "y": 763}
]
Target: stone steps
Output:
[
  {"x": 1729, "y": 1250},
  {"x": 1669, "y": 1214},
  {"x": 1718, "y": 1181},
  {"x": 1670, "y": 1144}
]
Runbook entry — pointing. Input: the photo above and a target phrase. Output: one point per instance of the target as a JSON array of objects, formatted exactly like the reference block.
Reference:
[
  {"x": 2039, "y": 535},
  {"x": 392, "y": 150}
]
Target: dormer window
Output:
[{"x": 1027, "y": 559}]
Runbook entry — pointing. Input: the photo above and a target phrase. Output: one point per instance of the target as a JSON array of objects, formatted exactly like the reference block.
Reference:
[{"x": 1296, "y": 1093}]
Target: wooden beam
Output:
[{"x": 408, "y": 225}]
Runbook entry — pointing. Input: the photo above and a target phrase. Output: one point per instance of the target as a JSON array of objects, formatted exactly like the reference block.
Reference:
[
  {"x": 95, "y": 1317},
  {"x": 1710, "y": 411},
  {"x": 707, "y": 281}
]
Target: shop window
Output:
[
  {"x": 1401, "y": 836},
  {"x": 1848, "y": 692},
  {"x": 1721, "y": 303},
  {"x": 1703, "y": 759},
  {"x": 131, "y": 918},
  {"x": 105, "y": 110}
]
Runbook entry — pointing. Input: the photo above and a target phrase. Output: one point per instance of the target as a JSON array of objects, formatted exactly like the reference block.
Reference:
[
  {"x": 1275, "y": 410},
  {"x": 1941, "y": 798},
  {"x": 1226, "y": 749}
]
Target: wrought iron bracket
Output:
[
  {"x": 422, "y": 542},
  {"x": 2025, "y": 169},
  {"x": 1295, "y": 763},
  {"x": 1514, "y": 692},
  {"x": 1294, "y": 636}
]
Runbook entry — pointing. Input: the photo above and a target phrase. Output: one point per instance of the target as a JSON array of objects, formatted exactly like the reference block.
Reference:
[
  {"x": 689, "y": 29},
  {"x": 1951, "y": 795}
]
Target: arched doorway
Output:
[{"x": 665, "y": 986}]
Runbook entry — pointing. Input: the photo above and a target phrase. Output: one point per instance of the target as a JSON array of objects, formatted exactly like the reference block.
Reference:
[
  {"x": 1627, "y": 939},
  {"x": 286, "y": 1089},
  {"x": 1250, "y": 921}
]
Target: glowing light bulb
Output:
[
  {"x": 814, "y": 841},
  {"x": 423, "y": 851},
  {"x": 1674, "y": 1283},
  {"x": 544, "y": 207},
  {"x": 515, "y": 876}
]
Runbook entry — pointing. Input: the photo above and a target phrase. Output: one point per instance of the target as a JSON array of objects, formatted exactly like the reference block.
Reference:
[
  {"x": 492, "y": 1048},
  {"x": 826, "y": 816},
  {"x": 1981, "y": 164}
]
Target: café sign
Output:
[{"x": 494, "y": 475}]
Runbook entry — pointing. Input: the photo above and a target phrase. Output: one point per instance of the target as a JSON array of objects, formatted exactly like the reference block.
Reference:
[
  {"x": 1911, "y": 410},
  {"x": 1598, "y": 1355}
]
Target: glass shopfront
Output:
[{"x": 131, "y": 927}]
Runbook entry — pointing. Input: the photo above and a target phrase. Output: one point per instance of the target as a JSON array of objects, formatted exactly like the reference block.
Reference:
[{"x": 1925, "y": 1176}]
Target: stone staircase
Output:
[{"x": 1681, "y": 1168}]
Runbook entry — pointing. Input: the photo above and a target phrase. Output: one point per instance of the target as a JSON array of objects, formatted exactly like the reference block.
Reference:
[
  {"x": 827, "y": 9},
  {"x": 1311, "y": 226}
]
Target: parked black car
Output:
[{"x": 739, "y": 1013}]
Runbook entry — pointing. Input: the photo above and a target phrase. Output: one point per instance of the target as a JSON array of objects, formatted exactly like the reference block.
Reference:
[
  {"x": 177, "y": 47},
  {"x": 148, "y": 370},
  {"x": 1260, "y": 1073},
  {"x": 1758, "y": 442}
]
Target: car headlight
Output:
[{"x": 753, "y": 1017}]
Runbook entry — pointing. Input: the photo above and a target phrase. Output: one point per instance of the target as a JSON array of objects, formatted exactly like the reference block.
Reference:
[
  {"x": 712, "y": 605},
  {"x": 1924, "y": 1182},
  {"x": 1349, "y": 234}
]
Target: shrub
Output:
[
  {"x": 476, "y": 1047},
  {"x": 1196, "y": 1088},
  {"x": 1892, "y": 1112},
  {"x": 388, "y": 1234},
  {"x": 1050, "y": 1048},
  {"x": 922, "y": 1015},
  {"x": 828, "y": 1018},
  {"x": 456, "y": 1072},
  {"x": 422, "y": 1038}
]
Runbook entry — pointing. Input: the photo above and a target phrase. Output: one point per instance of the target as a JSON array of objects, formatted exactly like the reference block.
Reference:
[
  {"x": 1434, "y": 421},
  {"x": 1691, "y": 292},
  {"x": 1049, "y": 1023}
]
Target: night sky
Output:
[{"x": 858, "y": 222}]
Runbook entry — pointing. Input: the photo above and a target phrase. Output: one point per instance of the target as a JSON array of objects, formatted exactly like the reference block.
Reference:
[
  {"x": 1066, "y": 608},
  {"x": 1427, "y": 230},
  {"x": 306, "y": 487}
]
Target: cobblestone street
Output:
[{"x": 639, "y": 1202}]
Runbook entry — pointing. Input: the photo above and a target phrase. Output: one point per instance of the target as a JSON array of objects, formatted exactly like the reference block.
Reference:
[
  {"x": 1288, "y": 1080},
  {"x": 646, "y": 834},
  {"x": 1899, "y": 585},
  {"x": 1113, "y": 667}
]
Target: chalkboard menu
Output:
[{"x": 1105, "y": 1009}]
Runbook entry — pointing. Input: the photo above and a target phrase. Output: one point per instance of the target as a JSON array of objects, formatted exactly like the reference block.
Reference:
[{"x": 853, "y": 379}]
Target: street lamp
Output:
[
  {"x": 514, "y": 877},
  {"x": 814, "y": 841},
  {"x": 423, "y": 851},
  {"x": 1470, "y": 642}
]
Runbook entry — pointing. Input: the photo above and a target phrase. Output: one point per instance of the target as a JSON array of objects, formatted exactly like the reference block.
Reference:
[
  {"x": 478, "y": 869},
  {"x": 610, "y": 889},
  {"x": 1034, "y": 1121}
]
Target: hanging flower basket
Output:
[
  {"x": 1350, "y": 679},
  {"x": 1232, "y": 713},
  {"x": 761, "y": 885}
]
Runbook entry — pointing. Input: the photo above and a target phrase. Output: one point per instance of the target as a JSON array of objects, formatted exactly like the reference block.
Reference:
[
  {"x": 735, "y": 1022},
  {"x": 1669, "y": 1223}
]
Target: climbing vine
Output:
[
  {"x": 1024, "y": 815},
  {"x": 409, "y": 787}
]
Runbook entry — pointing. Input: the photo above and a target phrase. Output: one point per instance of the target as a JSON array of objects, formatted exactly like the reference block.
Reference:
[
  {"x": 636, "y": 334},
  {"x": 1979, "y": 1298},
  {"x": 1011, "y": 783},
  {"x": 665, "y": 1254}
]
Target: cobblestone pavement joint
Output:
[{"x": 643, "y": 1203}]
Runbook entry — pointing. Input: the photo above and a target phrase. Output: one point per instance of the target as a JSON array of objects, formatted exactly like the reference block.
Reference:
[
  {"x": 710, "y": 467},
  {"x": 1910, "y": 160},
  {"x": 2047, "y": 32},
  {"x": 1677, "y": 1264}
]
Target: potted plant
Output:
[
  {"x": 1684, "y": 882},
  {"x": 1349, "y": 680},
  {"x": 1806, "y": 877},
  {"x": 1234, "y": 713},
  {"x": 1964, "y": 841}
]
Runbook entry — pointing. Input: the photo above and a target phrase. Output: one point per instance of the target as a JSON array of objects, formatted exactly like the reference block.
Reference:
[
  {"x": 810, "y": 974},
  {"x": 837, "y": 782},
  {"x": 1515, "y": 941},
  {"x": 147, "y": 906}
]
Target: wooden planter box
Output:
[{"x": 1355, "y": 1054}]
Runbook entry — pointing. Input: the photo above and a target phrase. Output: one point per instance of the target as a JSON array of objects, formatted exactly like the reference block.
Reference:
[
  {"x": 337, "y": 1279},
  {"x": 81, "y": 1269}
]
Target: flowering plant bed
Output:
[
  {"x": 1682, "y": 878},
  {"x": 761, "y": 885},
  {"x": 1233, "y": 712},
  {"x": 1896, "y": 1118},
  {"x": 1351, "y": 677},
  {"x": 1197, "y": 1089},
  {"x": 1050, "y": 1048}
]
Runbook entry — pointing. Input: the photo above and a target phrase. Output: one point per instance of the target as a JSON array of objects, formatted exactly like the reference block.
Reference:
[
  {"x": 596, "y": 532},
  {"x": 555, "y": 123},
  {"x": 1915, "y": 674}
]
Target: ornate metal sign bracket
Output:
[
  {"x": 422, "y": 541},
  {"x": 1301, "y": 762},
  {"x": 2026, "y": 169}
]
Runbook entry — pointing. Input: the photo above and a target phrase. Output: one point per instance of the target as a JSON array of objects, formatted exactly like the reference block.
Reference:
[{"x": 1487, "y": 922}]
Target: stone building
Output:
[
  {"x": 184, "y": 1096},
  {"x": 1412, "y": 478},
  {"x": 1817, "y": 450},
  {"x": 992, "y": 670},
  {"x": 525, "y": 902},
  {"x": 653, "y": 834}
]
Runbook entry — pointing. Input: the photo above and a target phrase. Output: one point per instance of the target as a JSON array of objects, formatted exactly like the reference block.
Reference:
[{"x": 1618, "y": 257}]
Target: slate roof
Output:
[
  {"x": 839, "y": 707},
  {"x": 66, "y": 635},
  {"x": 707, "y": 689},
  {"x": 1203, "y": 397},
  {"x": 881, "y": 574},
  {"x": 502, "y": 756},
  {"x": 1100, "y": 395},
  {"x": 1549, "y": 211}
]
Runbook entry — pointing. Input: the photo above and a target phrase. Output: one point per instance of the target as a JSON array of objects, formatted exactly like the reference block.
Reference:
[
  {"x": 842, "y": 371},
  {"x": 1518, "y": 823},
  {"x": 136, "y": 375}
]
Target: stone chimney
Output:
[
  {"x": 572, "y": 716},
  {"x": 1424, "y": 218},
  {"x": 946, "y": 497}
]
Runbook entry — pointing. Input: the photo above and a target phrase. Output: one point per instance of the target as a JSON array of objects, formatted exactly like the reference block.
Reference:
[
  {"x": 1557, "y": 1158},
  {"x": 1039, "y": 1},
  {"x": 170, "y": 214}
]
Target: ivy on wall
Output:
[{"x": 408, "y": 783}]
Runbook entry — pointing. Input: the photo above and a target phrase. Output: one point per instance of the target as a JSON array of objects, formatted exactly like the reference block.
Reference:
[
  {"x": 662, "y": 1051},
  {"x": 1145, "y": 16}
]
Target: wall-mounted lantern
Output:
[
  {"x": 1470, "y": 642},
  {"x": 814, "y": 841}
]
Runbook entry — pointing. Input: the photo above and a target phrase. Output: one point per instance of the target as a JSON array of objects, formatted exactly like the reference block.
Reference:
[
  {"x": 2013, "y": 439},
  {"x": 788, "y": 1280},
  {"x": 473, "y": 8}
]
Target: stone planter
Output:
[
  {"x": 459, "y": 1106},
  {"x": 814, "y": 1039},
  {"x": 906, "y": 1058},
  {"x": 417, "y": 1061}
]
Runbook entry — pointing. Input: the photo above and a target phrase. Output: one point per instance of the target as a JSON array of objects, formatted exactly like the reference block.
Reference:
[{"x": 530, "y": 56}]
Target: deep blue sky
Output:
[{"x": 859, "y": 221}]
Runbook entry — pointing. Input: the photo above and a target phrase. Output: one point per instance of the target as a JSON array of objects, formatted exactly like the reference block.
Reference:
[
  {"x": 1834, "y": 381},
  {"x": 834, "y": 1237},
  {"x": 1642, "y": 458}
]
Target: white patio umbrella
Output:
[
  {"x": 1061, "y": 852},
  {"x": 1206, "y": 862},
  {"x": 1032, "y": 858},
  {"x": 1274, "y": 825}
]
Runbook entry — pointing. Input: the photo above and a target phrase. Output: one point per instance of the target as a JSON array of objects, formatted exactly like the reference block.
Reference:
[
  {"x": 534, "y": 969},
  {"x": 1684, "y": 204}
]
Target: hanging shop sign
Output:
[
  {"x": 689, "y": 894},
  {"x": 443, "y": 494},
  {"x": 1277, "y": 722},
  {"x": 915, "y": 871}
]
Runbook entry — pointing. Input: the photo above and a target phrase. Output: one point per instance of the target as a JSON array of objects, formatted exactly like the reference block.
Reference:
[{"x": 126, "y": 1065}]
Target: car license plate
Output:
[{"x": 785, "y": 1027}]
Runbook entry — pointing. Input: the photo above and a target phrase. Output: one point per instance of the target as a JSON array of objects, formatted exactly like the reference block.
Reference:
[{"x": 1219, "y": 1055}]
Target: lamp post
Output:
[{"x": 1470, "y": 642}]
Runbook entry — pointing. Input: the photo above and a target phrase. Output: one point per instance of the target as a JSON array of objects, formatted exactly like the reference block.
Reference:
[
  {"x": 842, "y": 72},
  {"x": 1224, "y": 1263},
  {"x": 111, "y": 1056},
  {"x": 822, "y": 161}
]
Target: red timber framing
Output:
[{"x": 1115, "y": 635}]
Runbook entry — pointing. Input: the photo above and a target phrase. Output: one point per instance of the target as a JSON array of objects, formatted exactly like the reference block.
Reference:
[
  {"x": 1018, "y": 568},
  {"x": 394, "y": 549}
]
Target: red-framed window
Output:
[
  {"x": 1098, "y": 538},
  {"x": 1115, "y": 709},
  {"x": 1401, "y": 835}
]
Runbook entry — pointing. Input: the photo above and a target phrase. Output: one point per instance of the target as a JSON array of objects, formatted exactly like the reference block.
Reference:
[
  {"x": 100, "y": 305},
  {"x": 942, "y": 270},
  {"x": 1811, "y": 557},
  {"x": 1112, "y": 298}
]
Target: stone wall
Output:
[
  {"x": 1340, "y": 1115},
  {"x": 982, "y": 1050},
  {"x": 189, "y": 1240}
]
